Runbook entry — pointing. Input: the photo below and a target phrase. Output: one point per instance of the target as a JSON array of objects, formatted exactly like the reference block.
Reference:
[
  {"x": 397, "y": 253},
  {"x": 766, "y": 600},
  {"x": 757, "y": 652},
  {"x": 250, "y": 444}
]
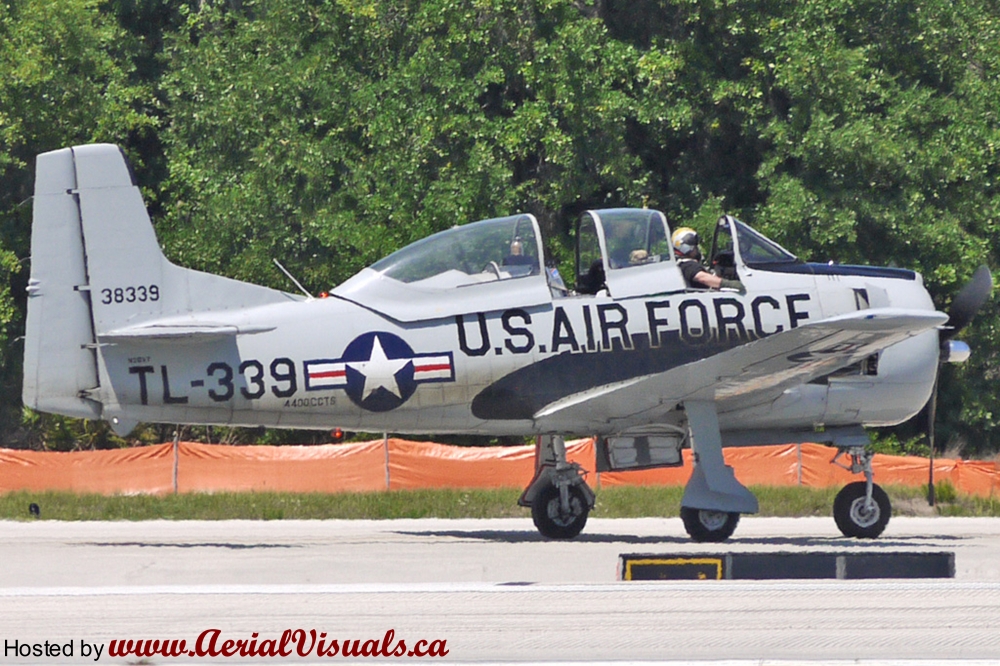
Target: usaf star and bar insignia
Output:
[{"x": 379, "y": 371}]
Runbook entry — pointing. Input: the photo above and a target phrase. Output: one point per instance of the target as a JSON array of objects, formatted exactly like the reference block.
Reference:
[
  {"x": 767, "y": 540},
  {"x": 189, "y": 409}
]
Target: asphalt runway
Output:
[{"x": 481, "y": 590}]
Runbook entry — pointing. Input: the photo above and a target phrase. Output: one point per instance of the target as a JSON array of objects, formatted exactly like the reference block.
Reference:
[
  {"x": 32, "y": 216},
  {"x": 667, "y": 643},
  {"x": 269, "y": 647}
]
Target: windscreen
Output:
[{"x": 758, "y": 249}]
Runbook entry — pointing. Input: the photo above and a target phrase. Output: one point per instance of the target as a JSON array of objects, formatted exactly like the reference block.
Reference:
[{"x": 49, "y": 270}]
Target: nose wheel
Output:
[
  {"x": 858, "y": 516},
  {"x": 861, "y": 509}
]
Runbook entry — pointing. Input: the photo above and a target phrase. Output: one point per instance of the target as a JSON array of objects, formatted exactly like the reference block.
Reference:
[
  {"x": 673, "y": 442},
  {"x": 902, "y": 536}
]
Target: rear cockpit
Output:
[
  {"x": 497, "y": 263},
  {"x": 499, "y": 249}
]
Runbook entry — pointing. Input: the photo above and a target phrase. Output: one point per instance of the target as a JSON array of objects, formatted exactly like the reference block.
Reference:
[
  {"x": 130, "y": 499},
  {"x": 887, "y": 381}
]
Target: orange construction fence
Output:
[{"x": 396, "y": 464}]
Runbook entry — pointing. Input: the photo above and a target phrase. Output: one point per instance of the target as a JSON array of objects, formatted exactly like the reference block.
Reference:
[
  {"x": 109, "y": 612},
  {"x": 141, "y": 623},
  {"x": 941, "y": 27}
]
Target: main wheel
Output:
[
  {"x": 854, "y": 519},
  {"x": 552, "y": 521},
  {"x": 703, "y": 525}
]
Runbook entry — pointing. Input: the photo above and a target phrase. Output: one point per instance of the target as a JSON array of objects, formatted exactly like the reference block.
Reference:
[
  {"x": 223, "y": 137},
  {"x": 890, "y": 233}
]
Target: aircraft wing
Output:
[{"x": 742, "y": 375}]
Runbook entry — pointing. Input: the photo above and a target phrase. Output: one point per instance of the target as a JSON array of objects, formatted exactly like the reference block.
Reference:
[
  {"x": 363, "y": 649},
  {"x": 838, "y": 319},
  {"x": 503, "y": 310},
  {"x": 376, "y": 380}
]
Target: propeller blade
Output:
[
  {"x": 964, "y": 307},
  {"x": 931, "y": 418},
  {"x": 968, "y": 301}
]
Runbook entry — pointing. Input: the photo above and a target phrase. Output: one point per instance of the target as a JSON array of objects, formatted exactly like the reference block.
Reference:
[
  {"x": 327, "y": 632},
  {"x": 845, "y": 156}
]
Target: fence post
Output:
[
  {"x": 798, "y": 448},
  {"x": 177, "y": 439},
  {"x": 385, "y": 447}
]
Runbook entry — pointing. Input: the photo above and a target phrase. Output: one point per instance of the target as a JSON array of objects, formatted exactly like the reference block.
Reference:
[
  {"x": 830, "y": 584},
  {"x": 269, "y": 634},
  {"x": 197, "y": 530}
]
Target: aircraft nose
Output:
[{"x": 955, "y": 351}]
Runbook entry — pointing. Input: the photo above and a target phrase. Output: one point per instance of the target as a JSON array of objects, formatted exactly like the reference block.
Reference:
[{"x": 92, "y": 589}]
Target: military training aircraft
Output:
[{"x": 472, "y": 331}]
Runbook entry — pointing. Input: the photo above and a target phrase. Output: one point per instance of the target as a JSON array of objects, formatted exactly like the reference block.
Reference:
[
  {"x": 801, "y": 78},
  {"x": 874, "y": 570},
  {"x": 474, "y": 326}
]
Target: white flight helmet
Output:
[{"x": 685, "y": 241}]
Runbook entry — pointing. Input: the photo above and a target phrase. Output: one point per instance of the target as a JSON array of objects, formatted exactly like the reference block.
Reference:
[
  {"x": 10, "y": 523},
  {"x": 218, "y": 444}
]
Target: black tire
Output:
[
  {"x": 851, "y": 517},
  {"x": 706, "y": 526},
  {"x": 546, "y": 512}
]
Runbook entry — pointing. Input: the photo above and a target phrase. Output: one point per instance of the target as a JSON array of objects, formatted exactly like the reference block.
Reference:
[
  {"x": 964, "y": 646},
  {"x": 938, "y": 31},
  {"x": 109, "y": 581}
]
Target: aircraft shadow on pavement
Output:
[
  {"x": 199, "y": 544},
  {"x": 529, "y": 536}
]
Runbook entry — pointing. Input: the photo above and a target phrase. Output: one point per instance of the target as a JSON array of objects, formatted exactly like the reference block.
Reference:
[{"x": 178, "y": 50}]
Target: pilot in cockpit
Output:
[
  {"x": 517, "y": 256},
  {"x": 685, "y": 241}
]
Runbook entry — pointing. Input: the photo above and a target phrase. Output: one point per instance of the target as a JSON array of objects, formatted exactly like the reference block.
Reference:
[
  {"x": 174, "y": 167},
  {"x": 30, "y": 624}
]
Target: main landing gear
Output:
[
  {"x": 713, "y": 498},
  {"x": 559, "y": 498},
  {"x": 861, "y": 509},
  {"x": 706, "y": 526},
  {"x": 560, "y": 512}
]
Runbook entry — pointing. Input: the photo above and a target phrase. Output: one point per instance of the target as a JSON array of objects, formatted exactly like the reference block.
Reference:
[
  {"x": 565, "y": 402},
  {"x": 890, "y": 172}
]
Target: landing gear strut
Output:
[
  {"x": 559, "y": 498},
  {"x": 713, "y": 497},
  {"x": 861, "y": 509}
]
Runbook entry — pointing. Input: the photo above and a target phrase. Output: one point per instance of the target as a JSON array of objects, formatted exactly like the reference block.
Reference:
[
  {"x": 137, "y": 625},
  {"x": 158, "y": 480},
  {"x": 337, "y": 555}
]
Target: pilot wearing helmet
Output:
[{"x": 685, "y": 241}]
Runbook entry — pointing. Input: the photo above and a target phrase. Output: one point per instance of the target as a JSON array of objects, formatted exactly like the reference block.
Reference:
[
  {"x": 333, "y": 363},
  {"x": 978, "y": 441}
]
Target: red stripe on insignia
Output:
[
  {"x": 329, "y": 373},
  {"x": 431, "y": 368}
]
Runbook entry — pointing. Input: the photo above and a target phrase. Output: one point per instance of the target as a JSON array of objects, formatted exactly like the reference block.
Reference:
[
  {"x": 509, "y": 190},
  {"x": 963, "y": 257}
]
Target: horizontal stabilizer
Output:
[{"x": 182, "y": 332}]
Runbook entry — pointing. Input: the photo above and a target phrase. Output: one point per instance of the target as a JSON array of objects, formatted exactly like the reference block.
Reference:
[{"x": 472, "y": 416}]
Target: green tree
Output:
[
  {"x": 848, "y": 130},
  {"x": 330, "y": 134},
  {"x": 62, "y": 82}
]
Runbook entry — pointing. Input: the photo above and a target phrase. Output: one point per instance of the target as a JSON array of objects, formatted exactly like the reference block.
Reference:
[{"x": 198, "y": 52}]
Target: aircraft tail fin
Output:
[{"x": 97, "y": 267}]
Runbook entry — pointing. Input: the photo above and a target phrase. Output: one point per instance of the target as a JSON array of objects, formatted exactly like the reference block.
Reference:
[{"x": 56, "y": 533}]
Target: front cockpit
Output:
[
  {"x": 735, "y": 241},
  {"x": 625, "y": 252}
]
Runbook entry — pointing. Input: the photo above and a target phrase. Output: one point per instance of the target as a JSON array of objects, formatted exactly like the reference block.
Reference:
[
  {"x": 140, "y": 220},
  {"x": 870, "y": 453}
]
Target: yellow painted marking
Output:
[{"x": 675, "y": 562}]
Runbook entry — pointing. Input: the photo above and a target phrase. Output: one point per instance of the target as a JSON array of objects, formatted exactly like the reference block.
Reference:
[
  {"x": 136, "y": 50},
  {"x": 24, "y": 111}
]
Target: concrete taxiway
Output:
[{"x": 492, "y": 589}]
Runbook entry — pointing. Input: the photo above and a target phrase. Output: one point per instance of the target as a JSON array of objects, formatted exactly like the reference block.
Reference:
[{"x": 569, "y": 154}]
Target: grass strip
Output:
[{"x": 615, "y": 502}]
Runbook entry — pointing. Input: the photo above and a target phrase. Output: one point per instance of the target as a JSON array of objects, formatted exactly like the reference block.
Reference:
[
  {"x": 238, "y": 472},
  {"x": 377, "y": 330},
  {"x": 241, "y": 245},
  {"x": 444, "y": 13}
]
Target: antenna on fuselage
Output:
[{"x": 292, "y": 278}]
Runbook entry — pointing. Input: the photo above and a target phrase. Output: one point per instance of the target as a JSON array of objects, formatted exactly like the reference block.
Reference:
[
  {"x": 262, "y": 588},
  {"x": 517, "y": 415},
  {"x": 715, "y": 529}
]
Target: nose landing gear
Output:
[{"x": 861, "y": 509}]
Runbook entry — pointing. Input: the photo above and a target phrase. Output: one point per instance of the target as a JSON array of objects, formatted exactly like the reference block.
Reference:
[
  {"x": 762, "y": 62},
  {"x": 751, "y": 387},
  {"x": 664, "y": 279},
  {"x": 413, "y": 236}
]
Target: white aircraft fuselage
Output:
[
  {"x": 473, "y": 331},
  {"x": 329, "y": 362}
]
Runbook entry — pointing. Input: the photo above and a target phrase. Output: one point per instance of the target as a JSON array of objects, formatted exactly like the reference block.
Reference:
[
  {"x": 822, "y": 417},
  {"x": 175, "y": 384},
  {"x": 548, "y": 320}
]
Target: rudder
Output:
[{"x": 60, "y": 362}]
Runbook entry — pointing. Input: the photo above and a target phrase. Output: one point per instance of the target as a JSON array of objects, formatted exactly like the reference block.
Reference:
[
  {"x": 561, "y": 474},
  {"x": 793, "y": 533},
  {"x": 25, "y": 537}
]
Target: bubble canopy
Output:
[
  {"x": 498, "y": 261},
  {"x": 497, "y": 249}
]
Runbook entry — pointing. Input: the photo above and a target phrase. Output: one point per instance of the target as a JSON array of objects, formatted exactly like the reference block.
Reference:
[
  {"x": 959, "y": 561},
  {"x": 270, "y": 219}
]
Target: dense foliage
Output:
[{"x": 329, "y": 132}]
